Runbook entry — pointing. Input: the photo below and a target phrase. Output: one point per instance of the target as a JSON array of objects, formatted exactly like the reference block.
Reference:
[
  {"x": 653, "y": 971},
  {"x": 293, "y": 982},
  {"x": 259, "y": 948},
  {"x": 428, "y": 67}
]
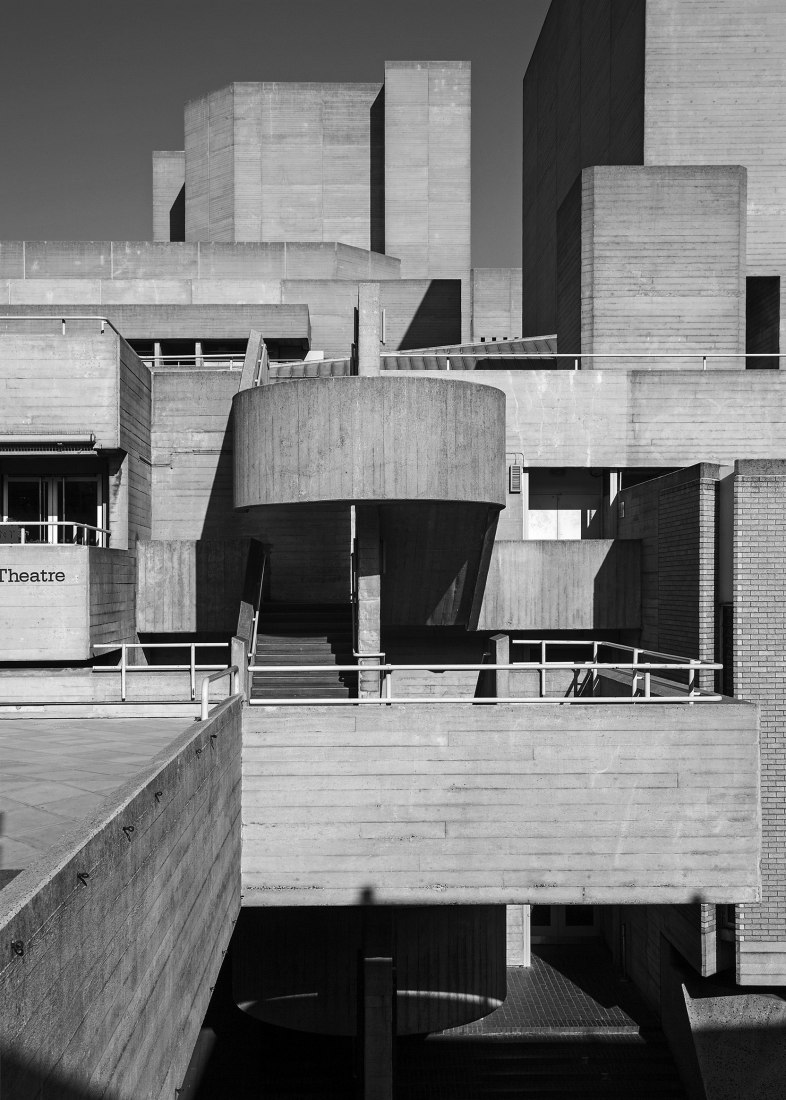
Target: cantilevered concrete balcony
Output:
[
  {"x": 369, "y": 440},
  {"x": 539, "y": 803}
]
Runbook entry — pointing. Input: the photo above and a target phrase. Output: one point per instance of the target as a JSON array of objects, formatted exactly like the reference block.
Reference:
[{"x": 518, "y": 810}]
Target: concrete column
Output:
[
  {"x": 369, "y": 328},
  {"x": 117, "y": 503},
  {"x": 611, "y": 492},
  {"x": 518, "y": 935},
  {"x": 379, "y": 1028},
  {"x": 239, "y": 657},
  {"x": 369, "y": 568},
  {"x": 499, "y": 645}
]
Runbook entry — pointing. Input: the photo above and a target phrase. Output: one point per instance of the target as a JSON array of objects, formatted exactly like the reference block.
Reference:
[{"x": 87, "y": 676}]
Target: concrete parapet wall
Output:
[
  {"x": 641, "y": 417},
  {"x": 135, "y": 947},
  {"x": 190, "y": 586},
  {"x": 57, "y": 601},
  {"x": 60, "y": 384},
  {"x": 501, "y": 804},
  {"x": 69, "y": 263},
  {"x": 368, "y": 439},
  {"x": 594, "y": 584}
]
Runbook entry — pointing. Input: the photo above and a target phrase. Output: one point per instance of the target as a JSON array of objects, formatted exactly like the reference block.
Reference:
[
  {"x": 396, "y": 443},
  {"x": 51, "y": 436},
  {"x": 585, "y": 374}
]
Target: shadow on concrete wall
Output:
[
  {"x": 377, "y": 173},
  {"x": 177, "y": 217},
  {"x": 22, "y": 1079},
  {"x": 437, "y": 320},
  {"x": 616, "y": 602}
]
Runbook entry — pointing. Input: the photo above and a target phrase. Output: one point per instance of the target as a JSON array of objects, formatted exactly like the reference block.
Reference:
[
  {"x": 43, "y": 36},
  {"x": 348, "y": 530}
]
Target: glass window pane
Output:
[
  {"x": 579, "y": 916},
  {"x": 540, "y": 916},
  {"x": 80, "y": 506},
  {"x": 25, "y": 503}
]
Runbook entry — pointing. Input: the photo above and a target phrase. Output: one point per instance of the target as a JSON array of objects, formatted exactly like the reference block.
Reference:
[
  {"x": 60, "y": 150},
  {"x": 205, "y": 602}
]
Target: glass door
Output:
[
  {"x": 53, "y": 510},
  {"x": 26, "y": 509},
  {"x": 563, "y": 923},
  {"x": 78, "y": 504}
]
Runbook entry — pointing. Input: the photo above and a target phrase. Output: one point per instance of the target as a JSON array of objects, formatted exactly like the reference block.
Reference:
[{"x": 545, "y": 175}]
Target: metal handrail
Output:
[
  {"x": 124, "y": 668},
  {"x": 257, "y": 610},
  {"x": 22, "y": 524},
  {"x": 694, "y": 665},
  {"x": 235, "y": 361},
  {"x": 234, "y": 674},
  {"x": 691, "y": 695},
  {"x": 704, "y": 356},
  {"x": 62, "y": 319}
]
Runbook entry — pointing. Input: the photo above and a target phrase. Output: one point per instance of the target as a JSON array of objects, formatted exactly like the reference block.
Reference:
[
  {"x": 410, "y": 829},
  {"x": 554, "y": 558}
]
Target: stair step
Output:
[
  {"x": 303, "y": 635},
  {"x": 324, "y": 693},
  {"x": 303, "y": 657}
]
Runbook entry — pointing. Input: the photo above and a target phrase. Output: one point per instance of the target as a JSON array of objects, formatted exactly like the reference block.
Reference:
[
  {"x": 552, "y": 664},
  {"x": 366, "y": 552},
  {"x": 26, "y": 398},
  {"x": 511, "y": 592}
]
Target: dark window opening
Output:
[{"x": 762, "y": 321}]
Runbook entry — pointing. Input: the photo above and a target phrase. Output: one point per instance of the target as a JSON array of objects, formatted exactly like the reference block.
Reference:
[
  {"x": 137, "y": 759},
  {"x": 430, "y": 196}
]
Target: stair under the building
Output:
[{"x": 291, "y": 634}]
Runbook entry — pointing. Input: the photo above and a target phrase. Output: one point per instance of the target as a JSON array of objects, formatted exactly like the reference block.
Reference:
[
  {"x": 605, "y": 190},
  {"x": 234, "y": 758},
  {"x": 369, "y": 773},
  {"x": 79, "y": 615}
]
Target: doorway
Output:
[
  {"x": 54, "y": 510},
  {"x": 564, "y": 923}
]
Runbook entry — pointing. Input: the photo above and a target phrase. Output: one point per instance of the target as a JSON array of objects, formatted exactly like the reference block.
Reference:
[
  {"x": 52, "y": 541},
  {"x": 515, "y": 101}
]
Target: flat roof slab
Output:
[{"x": 55, "y": 771}]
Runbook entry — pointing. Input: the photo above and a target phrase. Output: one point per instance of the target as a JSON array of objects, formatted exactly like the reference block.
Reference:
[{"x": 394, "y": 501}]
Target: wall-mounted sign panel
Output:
[{"x": 56, "y": 601}]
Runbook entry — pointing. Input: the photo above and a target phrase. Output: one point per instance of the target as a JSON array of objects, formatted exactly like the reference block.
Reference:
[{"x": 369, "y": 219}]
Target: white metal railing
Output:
[
  {"x": 216, "y": 359},
  {"x": 675, "y": 663},
  {"x": 697, "y": 357},
  {"x": 234, "y": 687},
  {"x": 680, "y": 693},
  {"x": 104, "y": 321},
  {"x": 124, "y": 668},
  {"x": 46, "y": 525}
]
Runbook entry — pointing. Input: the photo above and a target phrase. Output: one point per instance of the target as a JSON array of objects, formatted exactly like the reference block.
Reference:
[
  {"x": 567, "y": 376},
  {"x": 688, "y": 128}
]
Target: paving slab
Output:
[{"x": 54, "y": 771}]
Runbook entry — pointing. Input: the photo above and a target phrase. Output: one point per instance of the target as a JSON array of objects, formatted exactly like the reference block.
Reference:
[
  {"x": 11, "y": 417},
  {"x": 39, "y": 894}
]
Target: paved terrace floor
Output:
[{"x": 55, "y": 771}]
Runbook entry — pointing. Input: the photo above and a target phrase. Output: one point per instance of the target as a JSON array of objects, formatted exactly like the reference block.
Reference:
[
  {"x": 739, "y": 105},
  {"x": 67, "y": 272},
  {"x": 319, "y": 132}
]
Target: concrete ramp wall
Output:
[{"x": 113, "y": 941}]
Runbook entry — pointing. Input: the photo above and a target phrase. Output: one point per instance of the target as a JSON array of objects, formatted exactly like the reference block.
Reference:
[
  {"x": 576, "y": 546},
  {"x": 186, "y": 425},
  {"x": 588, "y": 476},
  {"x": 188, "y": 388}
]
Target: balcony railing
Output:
[
  {"x": 573, "y": 361},
  {"x": 589, "y": 681},
  {"x": 43, "y": 533},
  {"x": 191, "y": 666},
  {"x": 213, "y": 360}
]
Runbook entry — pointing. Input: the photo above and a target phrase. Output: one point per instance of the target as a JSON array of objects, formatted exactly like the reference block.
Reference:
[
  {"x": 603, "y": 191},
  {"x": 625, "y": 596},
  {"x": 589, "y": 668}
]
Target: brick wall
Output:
[
  {"x": 759, "y": 667},
  {"x": 674, "y": 516}
]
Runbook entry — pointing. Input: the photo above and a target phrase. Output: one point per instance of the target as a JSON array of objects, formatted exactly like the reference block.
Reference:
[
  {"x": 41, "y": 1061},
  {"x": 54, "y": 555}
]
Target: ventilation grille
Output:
[
  {"x": 81, "y": 443},
  {"x": 514, "y": 479},
  {"x": 45, "y": 448}
]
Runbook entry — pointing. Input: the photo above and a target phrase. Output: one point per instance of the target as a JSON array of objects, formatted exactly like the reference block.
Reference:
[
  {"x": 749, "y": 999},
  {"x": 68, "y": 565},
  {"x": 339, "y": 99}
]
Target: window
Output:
[{"x": 53, "y": 510}]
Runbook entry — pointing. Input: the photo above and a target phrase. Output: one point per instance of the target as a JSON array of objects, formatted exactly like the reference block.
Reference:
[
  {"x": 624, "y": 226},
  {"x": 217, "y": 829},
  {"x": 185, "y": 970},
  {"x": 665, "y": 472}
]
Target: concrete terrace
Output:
[{"x": 56, "y": 771}]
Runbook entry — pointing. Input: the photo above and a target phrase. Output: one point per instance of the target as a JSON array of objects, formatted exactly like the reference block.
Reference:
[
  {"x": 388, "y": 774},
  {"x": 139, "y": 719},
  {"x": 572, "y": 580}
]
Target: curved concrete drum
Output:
[
  {"x": 370, "y": 439},
  {"x": 297, "y": 967}
]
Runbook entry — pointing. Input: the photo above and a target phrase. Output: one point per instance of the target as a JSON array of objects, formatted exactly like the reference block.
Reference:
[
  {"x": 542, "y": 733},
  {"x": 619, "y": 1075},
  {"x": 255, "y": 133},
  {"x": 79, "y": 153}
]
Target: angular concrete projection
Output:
[
  {"x": 662, "y": 266},
  {"x": 280, "y": 162},
  {"x": 503, "y": 804},
  {"x": 592, "y": 584},
  {"x": 427, "y": 171}
]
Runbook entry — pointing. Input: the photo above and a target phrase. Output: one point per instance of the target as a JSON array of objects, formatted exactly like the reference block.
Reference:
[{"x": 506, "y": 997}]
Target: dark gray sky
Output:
[{"x": 88, "y": 88}]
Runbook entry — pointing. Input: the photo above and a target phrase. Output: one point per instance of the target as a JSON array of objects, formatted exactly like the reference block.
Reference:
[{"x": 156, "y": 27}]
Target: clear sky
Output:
[{"x": 88, "y": 88}]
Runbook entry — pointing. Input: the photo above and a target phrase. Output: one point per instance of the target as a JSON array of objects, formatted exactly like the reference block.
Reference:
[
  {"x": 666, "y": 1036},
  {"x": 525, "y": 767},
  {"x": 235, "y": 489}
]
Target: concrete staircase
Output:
[
  {"x": 304, "y": 634},
  {"x": 635, "y": 1066}
]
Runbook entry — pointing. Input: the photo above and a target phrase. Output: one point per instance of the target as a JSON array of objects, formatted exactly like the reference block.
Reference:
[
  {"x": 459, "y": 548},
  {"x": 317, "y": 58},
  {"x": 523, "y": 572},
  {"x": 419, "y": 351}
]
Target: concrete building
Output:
[{"x": 508, "y": 642}]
